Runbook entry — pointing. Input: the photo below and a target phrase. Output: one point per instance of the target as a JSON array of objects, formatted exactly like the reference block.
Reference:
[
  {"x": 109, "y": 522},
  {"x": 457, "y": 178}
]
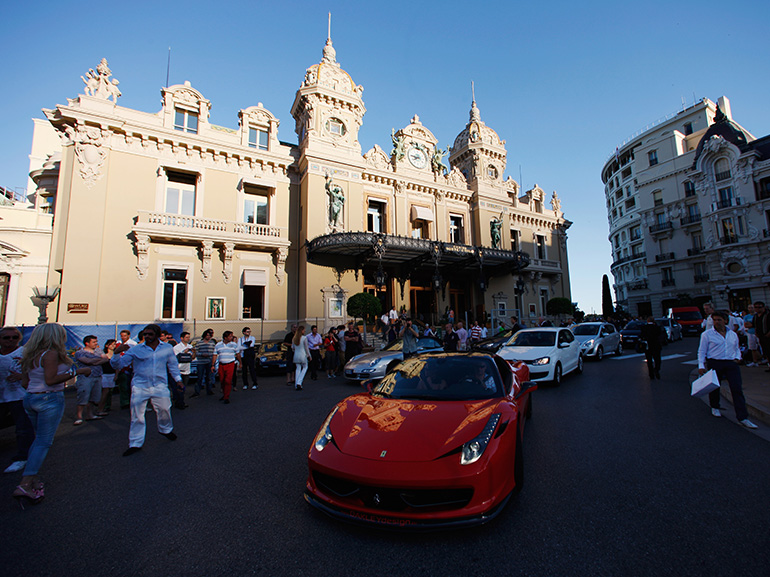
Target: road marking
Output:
[
  {"x": 675, "y": 356},
  {"x": 622, "y": 357},
  {"x": 693, "y": 362},
  {"x": 666, "y": 358}
]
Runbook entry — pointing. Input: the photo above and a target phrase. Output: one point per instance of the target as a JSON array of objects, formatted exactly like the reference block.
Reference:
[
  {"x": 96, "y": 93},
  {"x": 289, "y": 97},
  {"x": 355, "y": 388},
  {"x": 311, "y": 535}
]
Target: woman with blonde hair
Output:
[
  {"x": 45, "y": 368},
  {"x": 301, "y": 356}
]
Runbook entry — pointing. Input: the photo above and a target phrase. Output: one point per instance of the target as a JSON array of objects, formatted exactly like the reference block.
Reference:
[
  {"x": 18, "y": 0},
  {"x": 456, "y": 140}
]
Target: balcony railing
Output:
[
  {"x": 638, "y": 285},
  {"x": 661, "y": 226},
  {"x": 722, "y": 175},
  {"x": 701, "y": 278},
  {"x": 176, "y": 226},
  {"x": 668, "y": 282},
  {"x": 554, "y": 264},
  {"x": 690, "y": 219},
  {"x": 664, "y": 256},
  {"x": 726, "y": 203},
  {"x": 630, "y": 258},
  {"x": 728, "y": 239},
  {"x": 695, "y": 251}
]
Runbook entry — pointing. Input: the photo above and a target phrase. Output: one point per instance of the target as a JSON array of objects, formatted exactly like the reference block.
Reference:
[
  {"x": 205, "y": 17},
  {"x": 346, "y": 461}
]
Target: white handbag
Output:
[{"x": 705, "y": 384}]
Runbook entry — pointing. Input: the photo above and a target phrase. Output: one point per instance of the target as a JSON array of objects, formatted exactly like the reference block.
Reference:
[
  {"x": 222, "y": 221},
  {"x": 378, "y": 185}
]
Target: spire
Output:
[
  {"x": 329, "y": 53},
  {"x": 475, "y": 114}
]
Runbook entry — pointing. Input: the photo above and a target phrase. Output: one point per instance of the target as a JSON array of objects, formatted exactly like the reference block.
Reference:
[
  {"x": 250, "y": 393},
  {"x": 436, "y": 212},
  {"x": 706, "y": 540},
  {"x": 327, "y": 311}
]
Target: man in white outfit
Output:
[{"x": 152, "y": 362}]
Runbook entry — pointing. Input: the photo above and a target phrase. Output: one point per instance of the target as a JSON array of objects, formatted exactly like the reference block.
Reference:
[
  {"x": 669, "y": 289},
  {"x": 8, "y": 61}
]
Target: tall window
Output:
[
  {"x": 689, "y": 188},
  {"x": 456, "y": 231},
  {"x": 254, "y": 282},
  {"x": 180, "y": 193},
  {"x": 652, "y": 156},
  {"x": 375, "y": 216},
  {"x": 174, "y": 294},
  {"x": 543, "y": 301},
  {"x": 258, "y": 138},
  {"x": 540, "y": 247},
  {"x": 515, "y": 240},
  {"x": 728, "y": 230},
  {"x": 687, "y": 128},
  {"x": 256, "y": 208},
  {"x": 657, "y": 198},
  {"x": 420, "y": 229},
  {"x": 186, "y": 121}
]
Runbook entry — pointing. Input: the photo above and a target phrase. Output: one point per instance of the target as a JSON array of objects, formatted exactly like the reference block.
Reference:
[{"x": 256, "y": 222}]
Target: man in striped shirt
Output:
[
  {"x": 204, "y": 352},
  {"x": 226, "y": 355}
]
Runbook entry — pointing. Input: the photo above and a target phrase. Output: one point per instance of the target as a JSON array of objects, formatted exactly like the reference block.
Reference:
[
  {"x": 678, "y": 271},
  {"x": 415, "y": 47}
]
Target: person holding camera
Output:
[{"x": 409, "y": 335}]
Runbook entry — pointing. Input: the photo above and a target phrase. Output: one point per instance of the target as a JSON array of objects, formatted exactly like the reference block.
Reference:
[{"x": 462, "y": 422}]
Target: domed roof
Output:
[
  {"x": 328, "y": 74},
  {"x": 724, "y": 128},
  {"x": 476, "y": 132}
]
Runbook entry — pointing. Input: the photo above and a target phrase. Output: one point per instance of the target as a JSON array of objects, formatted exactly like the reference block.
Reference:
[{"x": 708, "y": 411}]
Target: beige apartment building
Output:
[
  {"x": 165, "y": 216},
  {"x": 687, "y": 208}
]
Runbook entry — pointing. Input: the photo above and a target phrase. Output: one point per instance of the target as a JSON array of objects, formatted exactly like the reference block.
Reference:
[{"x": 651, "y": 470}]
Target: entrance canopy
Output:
[{"x": 402, "y": 257}]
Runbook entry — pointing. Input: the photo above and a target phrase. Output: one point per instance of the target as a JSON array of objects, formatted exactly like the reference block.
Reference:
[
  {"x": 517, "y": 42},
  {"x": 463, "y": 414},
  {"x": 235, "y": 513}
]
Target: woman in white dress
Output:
[{"x": 301, "y": 356}]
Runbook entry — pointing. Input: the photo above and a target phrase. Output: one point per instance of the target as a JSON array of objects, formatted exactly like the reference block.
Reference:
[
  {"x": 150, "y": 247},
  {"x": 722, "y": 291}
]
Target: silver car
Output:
[
  {"x": 598, "y": 339},
  {"x": 374, "y": 365},
  {"x": 673, "y": 329}
]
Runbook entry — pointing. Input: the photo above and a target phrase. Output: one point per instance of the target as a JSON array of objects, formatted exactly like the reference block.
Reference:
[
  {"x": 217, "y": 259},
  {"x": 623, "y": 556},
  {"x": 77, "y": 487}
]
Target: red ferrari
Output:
[{"x": 436, "y": 444}]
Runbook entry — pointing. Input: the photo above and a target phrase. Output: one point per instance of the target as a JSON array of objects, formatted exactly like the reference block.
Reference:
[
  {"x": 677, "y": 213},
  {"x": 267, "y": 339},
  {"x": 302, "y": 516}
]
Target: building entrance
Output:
[{"x": 422, "y": 303}]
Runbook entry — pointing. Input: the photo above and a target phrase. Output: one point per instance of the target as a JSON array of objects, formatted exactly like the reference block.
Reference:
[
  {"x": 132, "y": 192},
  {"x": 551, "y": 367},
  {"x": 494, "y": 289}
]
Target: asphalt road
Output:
[{"x": 623, "y": 477}]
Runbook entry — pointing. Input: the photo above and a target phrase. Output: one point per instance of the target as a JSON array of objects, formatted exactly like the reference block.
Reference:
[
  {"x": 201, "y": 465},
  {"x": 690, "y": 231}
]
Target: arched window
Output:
[{"x": 722, "y": 169}]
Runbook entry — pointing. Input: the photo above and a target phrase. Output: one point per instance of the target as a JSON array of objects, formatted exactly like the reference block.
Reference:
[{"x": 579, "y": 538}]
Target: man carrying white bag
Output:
[{"x": 719, "y": 351}]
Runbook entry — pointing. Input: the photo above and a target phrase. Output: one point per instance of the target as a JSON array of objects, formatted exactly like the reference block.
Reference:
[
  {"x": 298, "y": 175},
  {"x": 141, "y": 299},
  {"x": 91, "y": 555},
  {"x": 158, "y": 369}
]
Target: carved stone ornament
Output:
[
  {"x": 736, "y": 254},
  {"x": 207, "y": 251},
  {"x": 399, "y": 187},
  {"x": 279, "y": 260},
  {"x": 456, "y": 178},
  {"x": 335, "y": 197},
  {"x": 90, "y": 150},
  {"x": 715, "y": 144},
  {"x": 377, "y": 158},
  {"x": 746, "y": 169},
  {"x": 142, "y": 245},
  {"x": 555, "y": 203},
  {"x": 227, "y": 259},
  {"x": 99, "y": 85}
]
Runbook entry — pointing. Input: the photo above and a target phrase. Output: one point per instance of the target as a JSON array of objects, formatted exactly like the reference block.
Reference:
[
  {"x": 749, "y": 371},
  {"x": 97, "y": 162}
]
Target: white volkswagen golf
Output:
[{"x": 550, "y": 353}]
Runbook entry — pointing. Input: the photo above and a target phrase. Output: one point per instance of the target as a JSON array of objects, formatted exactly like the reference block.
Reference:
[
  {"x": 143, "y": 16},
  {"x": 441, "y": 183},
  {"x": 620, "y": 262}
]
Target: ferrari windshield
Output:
[
  {"x": 586, "y": 330},
  {"x": 533, "y": 339},
  {"x": 270, "y": 348},
  {"x": 442, "y": 378}
]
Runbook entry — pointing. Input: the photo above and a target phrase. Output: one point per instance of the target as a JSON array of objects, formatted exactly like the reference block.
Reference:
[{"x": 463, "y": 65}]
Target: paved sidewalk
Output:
[{"x": 756, "y": 389}]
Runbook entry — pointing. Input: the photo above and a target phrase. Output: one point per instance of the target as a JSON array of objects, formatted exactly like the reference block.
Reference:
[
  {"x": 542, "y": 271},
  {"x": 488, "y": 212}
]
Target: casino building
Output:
[{"x": 165, "y": 216}]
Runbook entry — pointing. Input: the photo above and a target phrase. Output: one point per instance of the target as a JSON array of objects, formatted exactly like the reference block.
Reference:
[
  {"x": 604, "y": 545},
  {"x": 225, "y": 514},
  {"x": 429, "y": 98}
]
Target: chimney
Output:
[{"x": 724, "y": 106}]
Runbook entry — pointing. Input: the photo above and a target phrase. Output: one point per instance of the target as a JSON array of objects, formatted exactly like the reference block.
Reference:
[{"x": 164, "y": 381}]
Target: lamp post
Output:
[{"x": 45, "y": 295}]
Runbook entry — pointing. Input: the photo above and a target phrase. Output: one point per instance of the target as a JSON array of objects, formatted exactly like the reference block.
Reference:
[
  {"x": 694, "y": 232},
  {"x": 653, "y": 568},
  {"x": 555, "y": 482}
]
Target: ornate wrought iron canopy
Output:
[{"x": 405, "y": 256}]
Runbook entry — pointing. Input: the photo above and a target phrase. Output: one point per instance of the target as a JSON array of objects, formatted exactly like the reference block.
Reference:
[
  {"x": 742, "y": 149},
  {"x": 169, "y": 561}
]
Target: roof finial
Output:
[
  {"x": 329, "y": 53},
  {"x": 475, "y": 114}
]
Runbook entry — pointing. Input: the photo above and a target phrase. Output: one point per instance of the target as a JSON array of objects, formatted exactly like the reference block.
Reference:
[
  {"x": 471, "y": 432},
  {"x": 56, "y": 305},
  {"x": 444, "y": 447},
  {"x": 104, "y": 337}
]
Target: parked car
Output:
[
  {"x": 271, "y": 356},
  {"x": 436, "y": 444},
  {"x": 673, "y": 329},
  {"x": 375, "y": 364},
  {"x": 690, "y": 318},
  {"x": 492, "y": 344},
  {"x": 631, "y": 334},
  {"x": 550, "y": 353},
  {"x": 596, "y": 339}
]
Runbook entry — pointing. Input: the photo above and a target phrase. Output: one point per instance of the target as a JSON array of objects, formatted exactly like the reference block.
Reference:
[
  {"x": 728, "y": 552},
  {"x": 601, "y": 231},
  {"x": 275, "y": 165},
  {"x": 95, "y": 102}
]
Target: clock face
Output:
[{"x": 417, "y": 157}]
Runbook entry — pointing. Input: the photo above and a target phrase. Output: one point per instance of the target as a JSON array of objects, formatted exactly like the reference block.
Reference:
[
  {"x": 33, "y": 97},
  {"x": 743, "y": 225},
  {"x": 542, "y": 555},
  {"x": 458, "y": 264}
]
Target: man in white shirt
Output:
[
  {"x": 708, "y": 309},
  {"x": 462, "y": 335},
  {"x": 226, "y": 358},
  {"x": 393, "y": 315},
  {"x": 314, "y": 342},
  {"x": 248, "y": 346},
  {"x": 719, "y": 350},
  {"x": 185, "y": 353}
]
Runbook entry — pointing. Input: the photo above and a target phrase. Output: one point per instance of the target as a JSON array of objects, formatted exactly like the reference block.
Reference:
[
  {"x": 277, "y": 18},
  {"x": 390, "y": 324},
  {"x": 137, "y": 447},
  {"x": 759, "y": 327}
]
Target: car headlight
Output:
[
  {"x": 473, "y": 449},
  {"x": 588, "y": 344},
  {"x": 541, "y": 361},
  {"x": 325, "y": 433},
  {"x": 374, "y": 362}
]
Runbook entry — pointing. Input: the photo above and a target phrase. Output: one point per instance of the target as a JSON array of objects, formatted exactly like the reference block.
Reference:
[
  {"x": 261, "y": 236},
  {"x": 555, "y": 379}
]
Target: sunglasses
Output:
[{"x": 10, "y": 338}]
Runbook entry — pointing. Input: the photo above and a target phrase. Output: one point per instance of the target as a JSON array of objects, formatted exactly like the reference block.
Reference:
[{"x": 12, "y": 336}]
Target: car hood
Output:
[
  {"x": 365, "y": 359},
  {"x": 526, "y": 353},
  {"x": 407, "y": 430},
  {"x": 583, "y": 338}
]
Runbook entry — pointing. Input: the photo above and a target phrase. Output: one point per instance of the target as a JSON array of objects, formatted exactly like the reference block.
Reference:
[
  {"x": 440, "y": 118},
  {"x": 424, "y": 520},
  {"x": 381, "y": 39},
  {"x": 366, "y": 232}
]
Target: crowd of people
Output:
[{"x": 156, "y": 369}]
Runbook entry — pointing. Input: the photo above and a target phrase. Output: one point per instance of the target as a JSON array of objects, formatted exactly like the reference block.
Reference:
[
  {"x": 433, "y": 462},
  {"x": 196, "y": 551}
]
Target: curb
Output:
[{"x": 756, "y": 410}]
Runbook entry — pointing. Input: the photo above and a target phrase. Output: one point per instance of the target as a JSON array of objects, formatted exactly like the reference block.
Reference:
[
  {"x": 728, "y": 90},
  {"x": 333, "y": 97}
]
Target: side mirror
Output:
[{"x": 526, "y": 388}]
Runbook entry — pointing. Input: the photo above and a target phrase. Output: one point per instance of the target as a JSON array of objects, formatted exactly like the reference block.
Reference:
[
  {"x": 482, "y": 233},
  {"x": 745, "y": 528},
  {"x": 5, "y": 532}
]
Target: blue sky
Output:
[{"x": 563, "y": 83}]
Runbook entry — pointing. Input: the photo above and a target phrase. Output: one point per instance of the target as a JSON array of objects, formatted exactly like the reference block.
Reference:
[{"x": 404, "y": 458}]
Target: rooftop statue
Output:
[
  {"x": 399, "y": 148},
  {"x": 336, "y": 201},
  {"x": 99, "y": 85},
  {"x": 495, "y": 226},
  {"x": 438, "y": 156}
]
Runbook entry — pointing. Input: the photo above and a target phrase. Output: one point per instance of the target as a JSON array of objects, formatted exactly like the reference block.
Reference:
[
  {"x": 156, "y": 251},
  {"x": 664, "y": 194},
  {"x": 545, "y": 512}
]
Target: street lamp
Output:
[{"x": 45, "y": 295}]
